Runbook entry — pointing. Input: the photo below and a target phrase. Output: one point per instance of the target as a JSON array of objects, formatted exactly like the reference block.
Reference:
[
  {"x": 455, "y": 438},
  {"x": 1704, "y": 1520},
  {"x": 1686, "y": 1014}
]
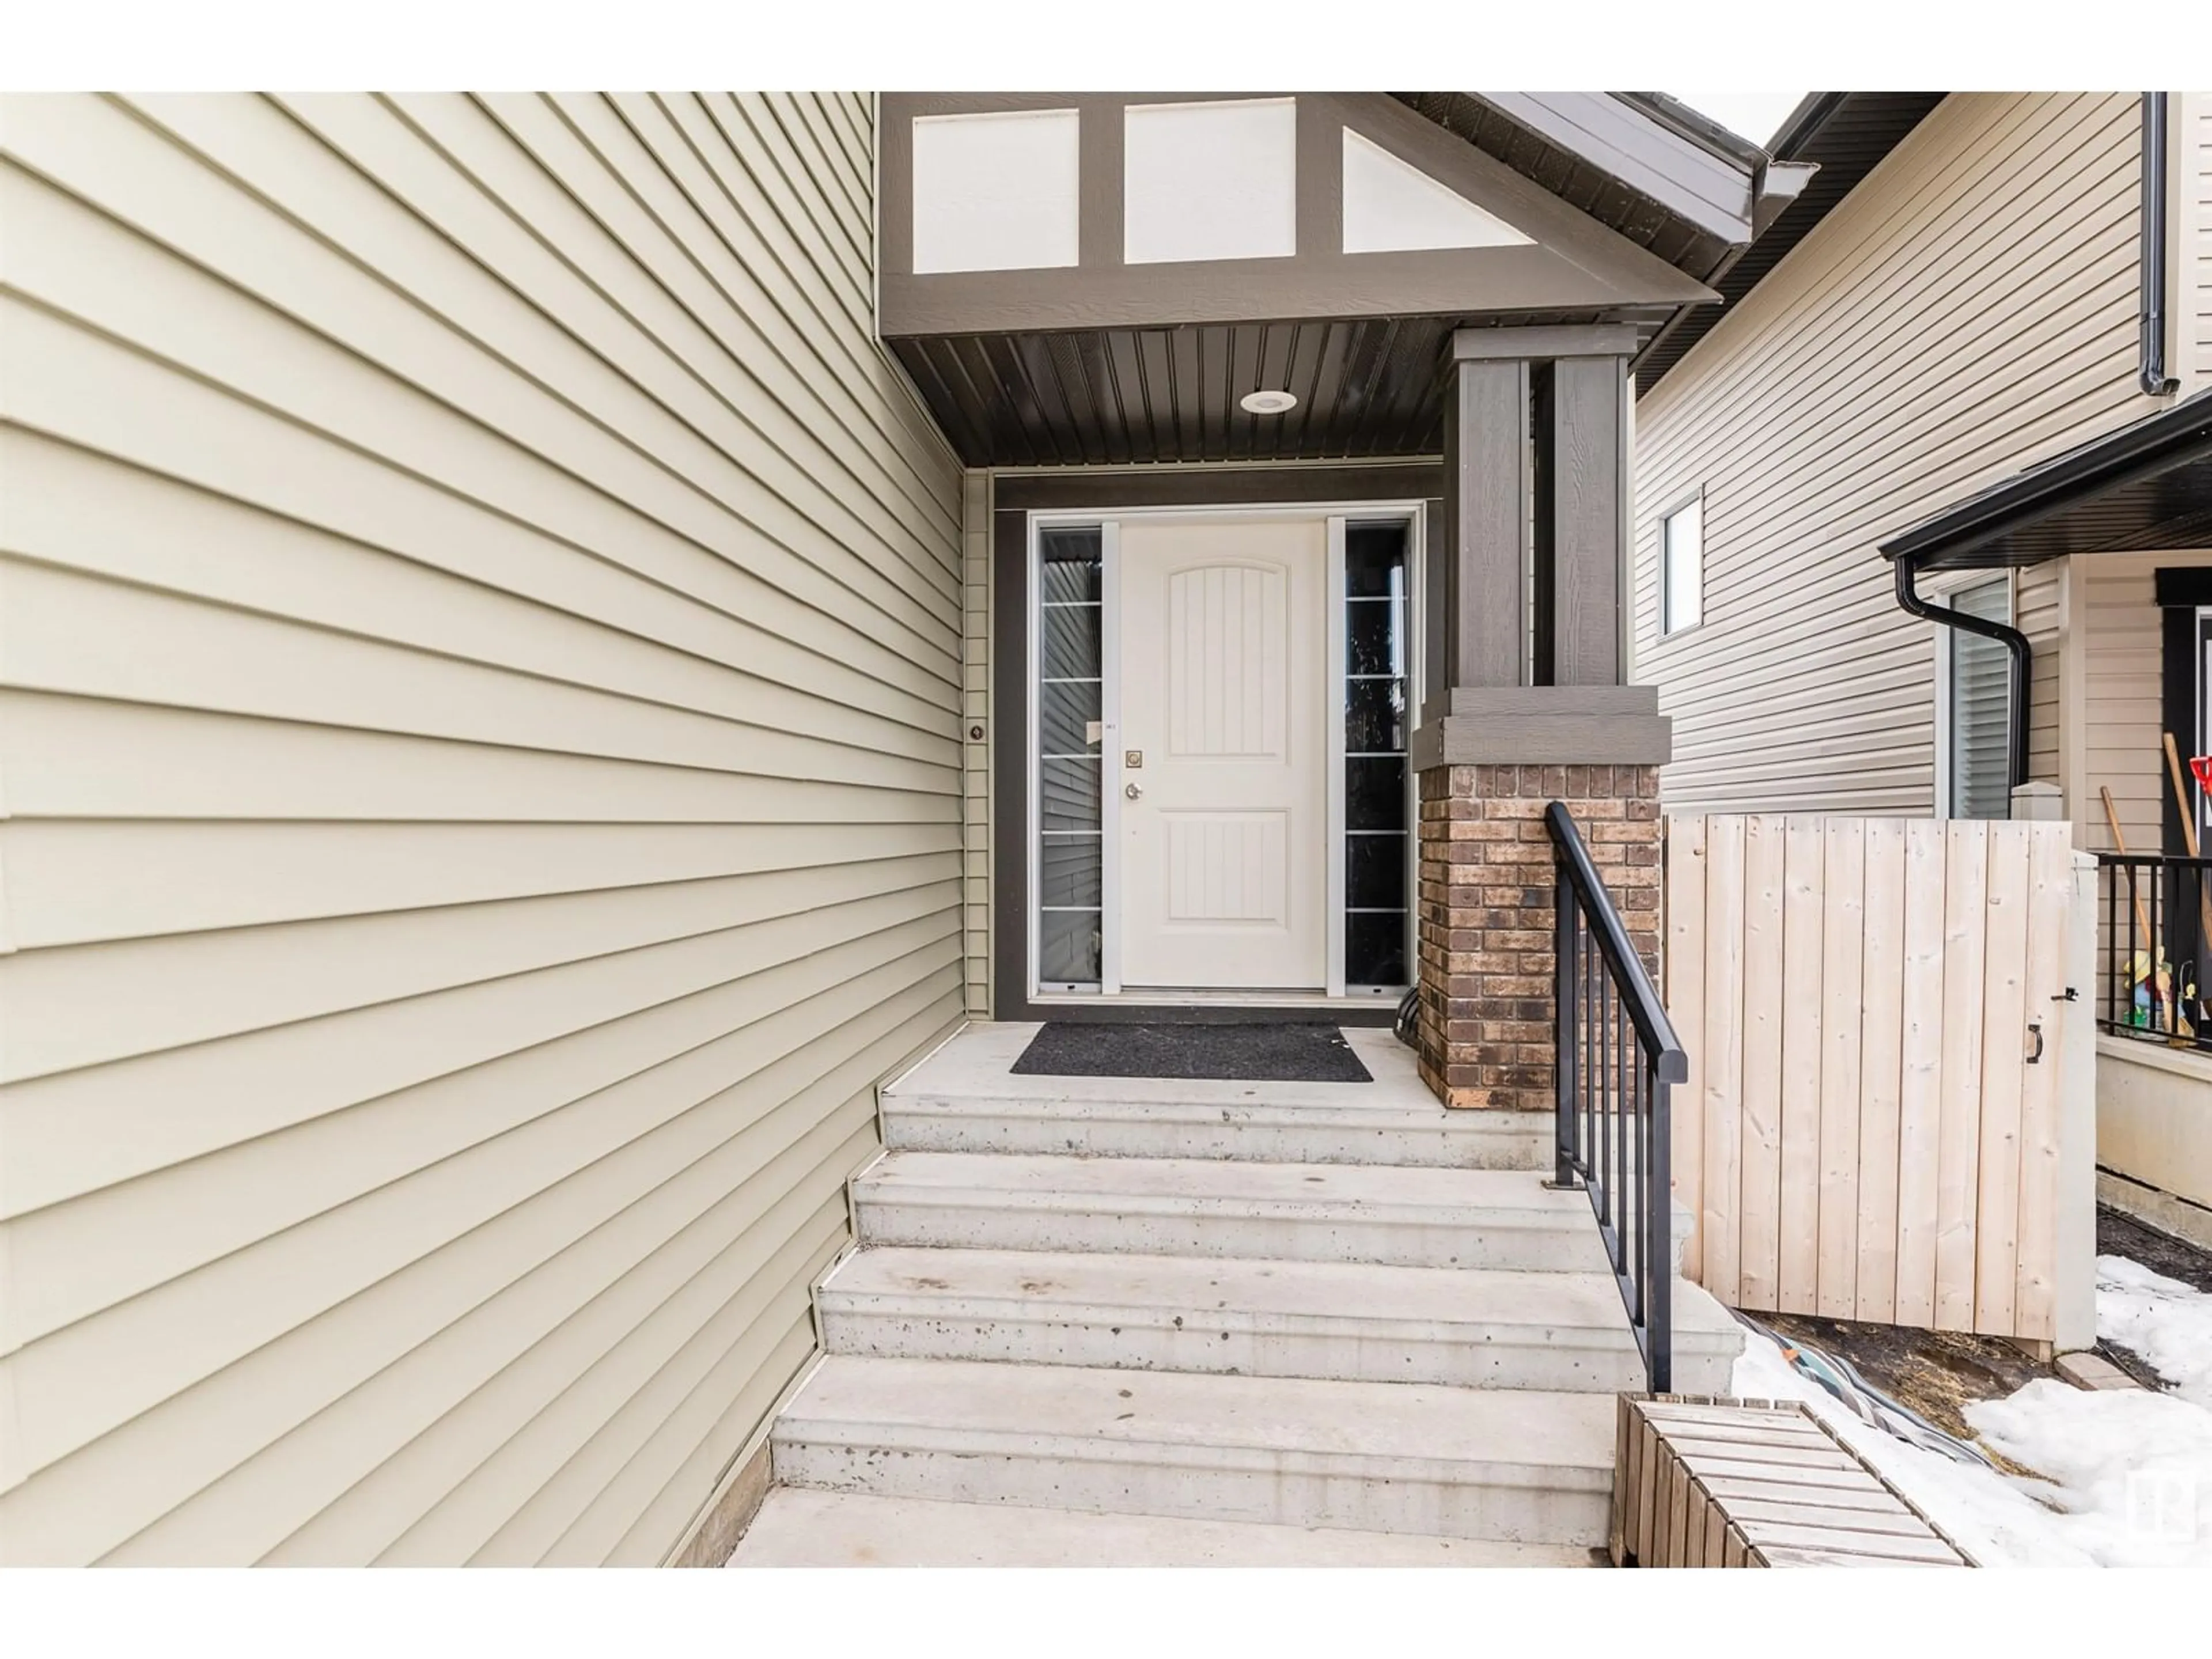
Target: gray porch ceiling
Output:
[
  {"x": 1632, "y": 201},
  {"x": 1366, "y": 388}
]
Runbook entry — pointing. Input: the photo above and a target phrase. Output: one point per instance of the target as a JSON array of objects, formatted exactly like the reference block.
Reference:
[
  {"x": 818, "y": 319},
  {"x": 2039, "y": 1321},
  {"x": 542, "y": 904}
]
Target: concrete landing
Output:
[
  {"x": 965, "y": 1097},
  {"x": 797, "y": 1528}
]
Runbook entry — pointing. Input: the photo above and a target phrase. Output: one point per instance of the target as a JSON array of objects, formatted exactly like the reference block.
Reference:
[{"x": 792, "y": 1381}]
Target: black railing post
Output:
[
  {"x": 1565, "y": 989},
  {"x": 1659, "y": 1234},
  {"x": 1616, "y": 1055}
]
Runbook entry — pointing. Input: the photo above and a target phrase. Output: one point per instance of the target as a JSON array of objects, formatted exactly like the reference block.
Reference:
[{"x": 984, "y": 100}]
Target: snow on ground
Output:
[
  {"x": 2165, "y": 1320},
  {"x": 2130, "y": 1471}
]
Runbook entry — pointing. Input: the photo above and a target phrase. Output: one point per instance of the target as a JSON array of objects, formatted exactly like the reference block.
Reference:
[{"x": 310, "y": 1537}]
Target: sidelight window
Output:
[
  {"x": 1070, "y": 758},
  {"x": 1378, "y": 719}
]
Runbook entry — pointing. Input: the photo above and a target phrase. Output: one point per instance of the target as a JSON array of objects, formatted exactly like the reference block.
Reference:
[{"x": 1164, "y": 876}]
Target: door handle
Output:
[{"x": 1134, "y": 791}]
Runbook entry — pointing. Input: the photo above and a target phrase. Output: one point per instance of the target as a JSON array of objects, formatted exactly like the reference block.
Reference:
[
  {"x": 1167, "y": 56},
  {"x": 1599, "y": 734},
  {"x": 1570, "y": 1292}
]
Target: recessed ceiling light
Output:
[{"x": 1267, "y": 403}]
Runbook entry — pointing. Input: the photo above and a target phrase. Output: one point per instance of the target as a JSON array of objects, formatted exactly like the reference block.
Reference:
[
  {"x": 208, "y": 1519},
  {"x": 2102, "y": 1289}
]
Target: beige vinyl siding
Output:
[
  {"x": 1969, "y": 310},
  {"x": 2038, "y": 610},
  {"x": 479, "y": 703}
]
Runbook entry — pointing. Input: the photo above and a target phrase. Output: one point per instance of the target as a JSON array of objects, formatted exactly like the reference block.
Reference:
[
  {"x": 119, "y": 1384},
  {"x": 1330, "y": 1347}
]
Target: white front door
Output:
[{"x": 1224, "y": 746}]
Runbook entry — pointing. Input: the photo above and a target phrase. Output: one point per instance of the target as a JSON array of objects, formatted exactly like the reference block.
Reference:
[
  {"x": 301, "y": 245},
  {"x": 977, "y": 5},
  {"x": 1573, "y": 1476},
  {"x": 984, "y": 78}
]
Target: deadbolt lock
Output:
[{"x": 1133, "y": 758}]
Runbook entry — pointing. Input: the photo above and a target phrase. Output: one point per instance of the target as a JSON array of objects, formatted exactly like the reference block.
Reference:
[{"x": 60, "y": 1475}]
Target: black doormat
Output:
[{"x": 1242, "y": 1054}]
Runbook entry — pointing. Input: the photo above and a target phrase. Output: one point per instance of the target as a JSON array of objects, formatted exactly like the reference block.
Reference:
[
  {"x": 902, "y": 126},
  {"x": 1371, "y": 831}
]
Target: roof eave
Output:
[{"x": 2157, "y": 444}]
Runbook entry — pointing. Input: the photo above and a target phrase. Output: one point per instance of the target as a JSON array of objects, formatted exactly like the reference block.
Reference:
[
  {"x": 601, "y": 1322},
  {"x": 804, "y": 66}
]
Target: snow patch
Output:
[
  {"x": 2128, "y": 1471},
  {"x": 2166, "y": 1322},
  {"x": 1986, "y": 1515}
]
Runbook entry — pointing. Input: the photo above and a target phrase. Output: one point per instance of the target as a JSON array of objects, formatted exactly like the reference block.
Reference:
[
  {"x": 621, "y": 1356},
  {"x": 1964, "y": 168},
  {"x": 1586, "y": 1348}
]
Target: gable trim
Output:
[{"x": 1573, "y": 264}]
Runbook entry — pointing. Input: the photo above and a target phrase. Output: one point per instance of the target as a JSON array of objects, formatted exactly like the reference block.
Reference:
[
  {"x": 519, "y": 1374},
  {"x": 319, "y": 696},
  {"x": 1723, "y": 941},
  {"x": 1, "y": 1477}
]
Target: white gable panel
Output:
[
  {"x": 1391, "y": 206},
  {"x": 1210, "y": 181},
  {"x": 995, "y": 192}
]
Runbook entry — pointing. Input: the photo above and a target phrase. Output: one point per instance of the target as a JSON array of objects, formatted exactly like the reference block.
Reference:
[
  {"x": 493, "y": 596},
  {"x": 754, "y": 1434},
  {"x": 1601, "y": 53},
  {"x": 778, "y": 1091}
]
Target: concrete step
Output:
[
  {"x": 1396, "y": 1458},
  {"x": 1477, "y": 1328},
  {"x": 1258, "y": 1128},
  {"x": 1416, "y": 1218},
  {"x": 798, "y": 1528}
]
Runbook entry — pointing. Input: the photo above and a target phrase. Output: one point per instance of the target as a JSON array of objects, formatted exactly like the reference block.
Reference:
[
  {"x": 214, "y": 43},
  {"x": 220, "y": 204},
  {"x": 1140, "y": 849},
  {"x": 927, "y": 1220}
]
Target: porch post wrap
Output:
[
  {"x": 1536, "y": 513},
  {"x": 1486, "y": 491}
]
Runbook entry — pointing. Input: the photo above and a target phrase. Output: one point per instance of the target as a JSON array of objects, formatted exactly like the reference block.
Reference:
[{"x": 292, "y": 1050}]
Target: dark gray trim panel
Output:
[
  {"x": 1574, "y": 263},
  {"x": 1587, "y": 514},
  {"x": 1586, "y": 340},
  {"x": 1013, "y": 500},
  {"x": 1069, "y": 492},
  {"x": 1484, "y": 543}
]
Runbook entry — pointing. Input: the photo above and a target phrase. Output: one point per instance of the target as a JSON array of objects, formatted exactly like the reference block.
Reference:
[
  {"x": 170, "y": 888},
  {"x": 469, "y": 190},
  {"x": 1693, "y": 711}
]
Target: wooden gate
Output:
[{"x": 1882, "y": 1119}]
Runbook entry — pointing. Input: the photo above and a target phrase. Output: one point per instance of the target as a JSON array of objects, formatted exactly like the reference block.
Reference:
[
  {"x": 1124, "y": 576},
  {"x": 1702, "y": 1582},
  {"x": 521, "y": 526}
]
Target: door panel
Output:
[{"x": 1222, "y": 696}]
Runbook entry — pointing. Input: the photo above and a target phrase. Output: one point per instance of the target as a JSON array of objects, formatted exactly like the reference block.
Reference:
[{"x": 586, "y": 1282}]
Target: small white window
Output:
[{"x": 1682, "y": 566}]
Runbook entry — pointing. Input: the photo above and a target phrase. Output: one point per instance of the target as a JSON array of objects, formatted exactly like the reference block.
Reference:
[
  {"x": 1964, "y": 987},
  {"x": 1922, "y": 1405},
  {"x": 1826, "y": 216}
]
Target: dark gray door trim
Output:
[{"x": 1014, "y": 499}]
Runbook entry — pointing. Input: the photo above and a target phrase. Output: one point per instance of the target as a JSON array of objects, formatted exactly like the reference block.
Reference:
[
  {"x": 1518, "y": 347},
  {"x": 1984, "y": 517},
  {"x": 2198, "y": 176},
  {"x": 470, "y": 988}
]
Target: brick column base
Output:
[{"x": 1486, "y": 915}]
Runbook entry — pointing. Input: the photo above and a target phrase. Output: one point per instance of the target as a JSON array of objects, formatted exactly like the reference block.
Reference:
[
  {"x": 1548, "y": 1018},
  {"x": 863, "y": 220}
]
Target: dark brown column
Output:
[
  {"x": 1536, "y": 468},
  {"x": 1486, "y": 461},
  {"x": 1586, "y": 487}
]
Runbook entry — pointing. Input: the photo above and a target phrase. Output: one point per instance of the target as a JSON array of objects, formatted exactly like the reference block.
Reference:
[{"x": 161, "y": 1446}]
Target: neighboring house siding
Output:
[
  {"x": 2038, "y": 611},
  {"x": 2121, "y": 707},
  {"x": 1968, "y": 310},
  {"x": 2196, "y": 210},
  {"x": 2123, "y": 714},
  {"x": 479, "y": 701}
]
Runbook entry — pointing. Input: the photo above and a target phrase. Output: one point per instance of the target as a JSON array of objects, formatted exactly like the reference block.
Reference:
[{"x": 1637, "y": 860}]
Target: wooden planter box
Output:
[{"x": 1701, "y": 1482}]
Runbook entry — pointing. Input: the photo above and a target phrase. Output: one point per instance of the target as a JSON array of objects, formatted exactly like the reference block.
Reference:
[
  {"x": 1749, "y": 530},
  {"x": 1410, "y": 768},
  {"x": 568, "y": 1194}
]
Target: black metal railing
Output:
[
  {"x": 1617, "y": 1056},
  {"x": 2154, "y": 940}
]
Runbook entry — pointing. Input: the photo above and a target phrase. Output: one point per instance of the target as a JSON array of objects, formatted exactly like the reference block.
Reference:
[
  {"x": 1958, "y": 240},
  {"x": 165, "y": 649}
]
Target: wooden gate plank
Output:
[
  {"x": 1803, "y": 1005},
  {"x": 2049, "y": 926},
  {"x": 1721, "y": 1233},
  {"x": 2004, "y": 1038},
  {"x": 1761, "y": 1149},
  {"x": 1920, "y": 1097},
  {"x": 1958, "y": 1153},
  {"x": 1897, "y": 1522},
  {"x": 1762, "y": 1533},
  {"x": 1715, "y": 1470},
  {"x": 1870, "y": 1497},
  {"x": 1842, "y": 945},
  {"x": 1882, "y": 1005},
  {"x": 1686, "y": 1005}
]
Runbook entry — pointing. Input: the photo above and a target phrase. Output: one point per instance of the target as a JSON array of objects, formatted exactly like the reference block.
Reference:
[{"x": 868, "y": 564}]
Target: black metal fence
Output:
[
  {"x": 1617, "y": 1056},
  {"x": 2154, "y": 947}
]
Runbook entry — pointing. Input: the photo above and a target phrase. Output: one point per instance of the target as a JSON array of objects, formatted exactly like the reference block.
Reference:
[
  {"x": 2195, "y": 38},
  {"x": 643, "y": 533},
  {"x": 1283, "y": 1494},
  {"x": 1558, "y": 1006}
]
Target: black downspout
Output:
[
  {"x": 2023, "y": 660},
  {"x": 2157, "y": 382}
]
